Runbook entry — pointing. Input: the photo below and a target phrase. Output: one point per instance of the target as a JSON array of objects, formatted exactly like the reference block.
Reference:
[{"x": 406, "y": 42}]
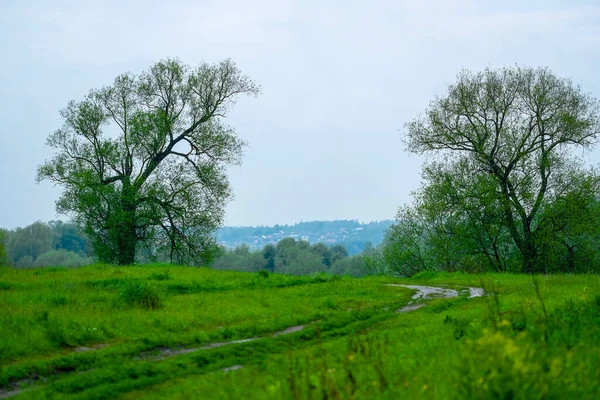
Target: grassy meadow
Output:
[{"x": 159, "y": 331}]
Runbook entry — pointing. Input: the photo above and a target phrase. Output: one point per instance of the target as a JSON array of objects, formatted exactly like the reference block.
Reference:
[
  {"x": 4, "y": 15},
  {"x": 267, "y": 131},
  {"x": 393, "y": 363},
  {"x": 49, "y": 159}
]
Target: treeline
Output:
[
  {"x": 445, "y": 235},
  {"x": 40, "y": 244},
  {"x": 59, "y": 243},
  {"x": 296, "y": 257}
]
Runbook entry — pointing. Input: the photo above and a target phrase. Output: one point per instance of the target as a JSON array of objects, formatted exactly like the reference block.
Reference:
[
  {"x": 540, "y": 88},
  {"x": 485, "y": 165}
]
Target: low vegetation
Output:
[{"x": 103, "y": 332}]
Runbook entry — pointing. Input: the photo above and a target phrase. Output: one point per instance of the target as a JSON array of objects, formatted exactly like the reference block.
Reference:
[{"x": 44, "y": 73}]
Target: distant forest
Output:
[
  {"x": 352, "y": 234},
  {"x": 301, "y": 248}
]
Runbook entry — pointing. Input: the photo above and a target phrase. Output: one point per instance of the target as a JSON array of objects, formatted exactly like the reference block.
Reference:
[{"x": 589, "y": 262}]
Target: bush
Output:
[{"x": 61, "y": 258}]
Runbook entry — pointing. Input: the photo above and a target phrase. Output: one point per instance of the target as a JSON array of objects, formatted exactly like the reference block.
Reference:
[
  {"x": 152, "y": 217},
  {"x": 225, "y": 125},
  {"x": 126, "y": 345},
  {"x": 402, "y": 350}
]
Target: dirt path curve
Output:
[
  {"x": 434, "y": 292},
  {"x": 162, "y": 353},
  {"x": 166, "y": 352}
]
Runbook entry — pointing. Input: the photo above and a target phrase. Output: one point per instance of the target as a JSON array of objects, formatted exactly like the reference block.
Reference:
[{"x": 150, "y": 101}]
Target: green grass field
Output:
[{"x": 150, "y": 332}]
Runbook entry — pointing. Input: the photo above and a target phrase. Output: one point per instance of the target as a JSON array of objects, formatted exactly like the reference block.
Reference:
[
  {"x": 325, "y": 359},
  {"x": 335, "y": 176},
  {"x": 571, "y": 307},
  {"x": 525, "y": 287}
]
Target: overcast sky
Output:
[{"x": 339, "y": 81}]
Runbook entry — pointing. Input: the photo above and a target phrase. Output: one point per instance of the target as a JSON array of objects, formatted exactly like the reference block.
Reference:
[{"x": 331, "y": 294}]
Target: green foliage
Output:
[
  {"x": 240, "y": 259},
  {"x": 437, "y": 235},
  {"x": 569, "y": 235},
  {"x": 269, "y": 252},
  {"x": 322, "y": 251},
  {"x": 68, "y": 236},
  {"x": 61, "y": 258},
  {"x": 298, "y": 260},
  {"x": 374, "y": 262},
  {"x": 337, "y": 252},
  {"x": 24, "y": 262},
  {"x": 353, "y": 266},
  {"x": 41, "y": 245}
]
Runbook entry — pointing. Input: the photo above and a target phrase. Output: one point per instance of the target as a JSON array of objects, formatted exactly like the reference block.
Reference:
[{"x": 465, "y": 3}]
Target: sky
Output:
[{"x": 339, "y": 79}]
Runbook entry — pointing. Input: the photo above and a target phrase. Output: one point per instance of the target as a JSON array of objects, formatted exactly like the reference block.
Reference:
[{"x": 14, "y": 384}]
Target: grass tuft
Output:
[
  {"x": 140, "y": 294},
  {"x": 160, "y": 276}
]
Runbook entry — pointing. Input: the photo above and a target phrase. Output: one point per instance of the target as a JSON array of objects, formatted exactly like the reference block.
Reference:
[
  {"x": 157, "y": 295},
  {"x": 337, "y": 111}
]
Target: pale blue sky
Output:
[{"x": 339, "y": 79}]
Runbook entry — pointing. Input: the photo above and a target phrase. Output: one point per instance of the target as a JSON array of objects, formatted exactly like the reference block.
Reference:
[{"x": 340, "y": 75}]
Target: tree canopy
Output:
[
  {"x": 142, "y": 161},
  {"x": 26, "y": 244}
]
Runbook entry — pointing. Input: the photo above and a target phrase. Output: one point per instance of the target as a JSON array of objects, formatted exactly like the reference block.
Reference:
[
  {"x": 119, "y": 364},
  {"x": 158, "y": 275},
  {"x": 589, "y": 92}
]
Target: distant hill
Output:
[{"x": 351, "y": 233}]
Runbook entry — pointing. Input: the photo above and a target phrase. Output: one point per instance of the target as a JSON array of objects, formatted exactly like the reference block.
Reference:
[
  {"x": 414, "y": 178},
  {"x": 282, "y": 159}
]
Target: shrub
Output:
[{"x": 62, "y": 258}]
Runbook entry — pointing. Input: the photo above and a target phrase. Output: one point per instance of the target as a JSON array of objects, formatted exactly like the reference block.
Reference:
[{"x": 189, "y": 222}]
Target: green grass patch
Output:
[{"x": 102, "y": 332}]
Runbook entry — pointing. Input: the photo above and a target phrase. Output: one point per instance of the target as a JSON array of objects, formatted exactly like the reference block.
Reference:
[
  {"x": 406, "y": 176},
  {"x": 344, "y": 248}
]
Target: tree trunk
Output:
[
  {"x": 531, "y": 262},
  {"x": 127, "y": 243},
  {"x": 127, "y": 235},
  {"x": 570, "y": 258}
]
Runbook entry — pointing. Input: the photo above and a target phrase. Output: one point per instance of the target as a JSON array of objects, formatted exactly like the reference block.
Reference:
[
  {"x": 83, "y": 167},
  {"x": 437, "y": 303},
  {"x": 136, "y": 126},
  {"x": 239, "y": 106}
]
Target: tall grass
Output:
[{"x": 140, "y": 294}]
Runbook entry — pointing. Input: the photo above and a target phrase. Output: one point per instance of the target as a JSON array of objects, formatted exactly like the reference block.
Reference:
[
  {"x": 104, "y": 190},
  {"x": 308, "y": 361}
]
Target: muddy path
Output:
[
  {"x": 166, "y": 352},
  {"x": 424, "y": 293}
]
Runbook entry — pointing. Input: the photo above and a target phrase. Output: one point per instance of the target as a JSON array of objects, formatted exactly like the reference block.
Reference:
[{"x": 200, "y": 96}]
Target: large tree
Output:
[
  {"x": 517, "y": 129},
  {"x": 142, "y": 161}
]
